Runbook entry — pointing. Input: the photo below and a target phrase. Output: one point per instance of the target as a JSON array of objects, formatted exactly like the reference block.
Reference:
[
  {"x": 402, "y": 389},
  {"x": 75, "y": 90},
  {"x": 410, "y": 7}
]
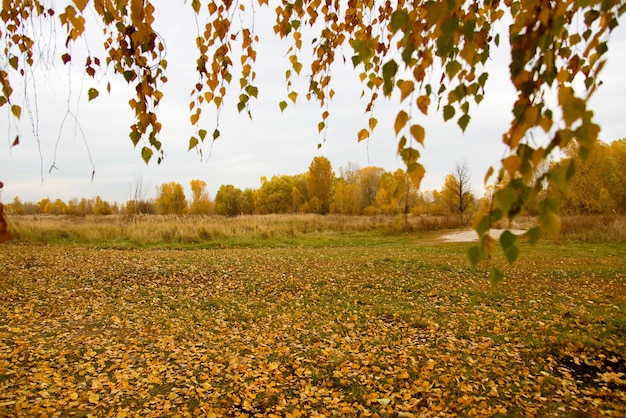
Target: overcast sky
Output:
[{"x": 272, "y": 143}]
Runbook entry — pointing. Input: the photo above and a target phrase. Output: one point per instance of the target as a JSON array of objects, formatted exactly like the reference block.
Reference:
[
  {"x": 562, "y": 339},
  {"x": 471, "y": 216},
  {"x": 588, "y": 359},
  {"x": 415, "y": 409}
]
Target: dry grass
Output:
[
  {"x": 151, "y": 230},
  {"x": 268, "y": 230},
  {"x": 594, "y": 229}
]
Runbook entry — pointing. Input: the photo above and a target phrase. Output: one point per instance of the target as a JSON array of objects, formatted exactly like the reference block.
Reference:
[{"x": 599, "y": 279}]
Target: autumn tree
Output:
[
  {"x": 200, "y": 201},
  {"x": 388, "y": 195},
  {"x": 228, "y": 200},
  {"x": 16, "y": 207},
  {"x": 247, "y": 201},
  {"x": 618, "y": 150},
  {"x": 398, "y": 50},
  {"x": 140, "y": 207},
  {"x": 171, "y": 199},
  {"x": 346, "y": 191},
  {"x": 280, "y": 194},
  {"x": 396, "y": 193},
  {"x": 369, "y": 181},
  {"x": 101, "y": 207},
  {"x": 319, "y": 181},
  {"x": 595, "y": 186},
  {"x": 457, "y": 191}
]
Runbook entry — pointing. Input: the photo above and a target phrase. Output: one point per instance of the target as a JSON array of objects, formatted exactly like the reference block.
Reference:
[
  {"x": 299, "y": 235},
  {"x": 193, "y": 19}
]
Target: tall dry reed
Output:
[{"x": 151, "y": 230}]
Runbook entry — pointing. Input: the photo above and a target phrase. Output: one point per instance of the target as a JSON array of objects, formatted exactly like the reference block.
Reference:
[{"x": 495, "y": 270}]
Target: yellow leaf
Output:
[
  {"x": 511, "y": 164},
  {"x": 195, "y": 117},
  {"x": 17, "y": 111},
  {"x": 401, "y": 120},
  {"x": 406, "y": 88},
  {"x": 489, "y": 174},
  {"x": 418, "y": 133},
  {"x": 293, "y": 96},
  {"x": 94, "y": 398},
  {"x": 373, "y": 122},
  {"x": 416, "y": 173},
  {"x": 73, "y": 396},
  {"x": 363, "y": 134}
]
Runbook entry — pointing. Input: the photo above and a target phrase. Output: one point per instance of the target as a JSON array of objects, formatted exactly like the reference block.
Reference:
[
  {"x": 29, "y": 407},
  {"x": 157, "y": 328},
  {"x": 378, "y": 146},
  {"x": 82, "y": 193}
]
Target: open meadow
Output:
[{"x": 306, "y": 316}]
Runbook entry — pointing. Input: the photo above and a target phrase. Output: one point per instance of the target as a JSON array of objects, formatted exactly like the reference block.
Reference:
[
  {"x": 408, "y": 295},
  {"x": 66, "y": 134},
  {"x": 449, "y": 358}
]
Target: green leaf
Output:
[
  {"x": 473, "y": 254},
  {"x": 399, "y": 20},
  {"x": 202, "y": 134},
  {"x": 507, "y": 242},
  {"x": 92, "y": 93},
  {"x": 195, "y": 4},
  {"x": 135, "y": 136},
  {"x": 283, "y": 105},
  {"x": 452, "y": 68},
  {"x": 534, "y": 234},
  {"x": 448, "y": 112},
  {"x": 409, "y": 155},
  {"x": 146, "y": 154},
  {"x": 390, "y": 68},
  {"x": 495, "y": 276},
  {"x": 252, "y": 91},
  {"x": 464, "y": 121},
  {"x": 468, "y": 29},
  {"x": 129, "y": 76},
  {"x": 193, "y": 142},
  {"x": 481, "y": 225},
  {"x": 216, "y": 134},
  {"x": 482, "y": 79}
]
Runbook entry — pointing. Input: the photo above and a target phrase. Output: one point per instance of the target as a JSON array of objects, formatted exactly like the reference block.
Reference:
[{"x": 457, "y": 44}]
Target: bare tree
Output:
[{"x": 457, "y": 189}]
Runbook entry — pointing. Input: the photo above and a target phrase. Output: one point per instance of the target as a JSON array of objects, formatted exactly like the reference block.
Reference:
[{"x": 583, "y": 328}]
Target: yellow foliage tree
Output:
[
  {"x": 595, "y": 186},
  {"x": 319, "y": 181},
  {"x": 200, "y": 201},
  {"x": 456, "y": 191},
  {"x": 171, "y": 199}
]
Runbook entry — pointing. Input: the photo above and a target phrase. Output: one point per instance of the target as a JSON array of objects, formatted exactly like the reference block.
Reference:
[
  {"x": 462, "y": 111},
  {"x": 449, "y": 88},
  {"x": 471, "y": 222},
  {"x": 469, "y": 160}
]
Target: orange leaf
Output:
[
  {"x": 422, "y": 103},
  {"x": 81, "y": 4},
  {"x": 136, "y": 12},
  {"x": 401, "y": 120}
]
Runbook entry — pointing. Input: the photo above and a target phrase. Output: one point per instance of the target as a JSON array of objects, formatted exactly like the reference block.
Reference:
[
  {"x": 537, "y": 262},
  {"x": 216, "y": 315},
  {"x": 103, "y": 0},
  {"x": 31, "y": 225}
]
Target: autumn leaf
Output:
[{"x": 92, "y": 93}]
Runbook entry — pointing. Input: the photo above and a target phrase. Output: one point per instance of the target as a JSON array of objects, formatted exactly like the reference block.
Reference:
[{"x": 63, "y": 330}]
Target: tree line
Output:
[
  {"x": 597, "y": 187},
  {"x": 354, "y": 191}
]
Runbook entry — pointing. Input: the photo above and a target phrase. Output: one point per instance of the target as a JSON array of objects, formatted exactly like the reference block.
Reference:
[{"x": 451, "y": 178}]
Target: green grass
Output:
[{"x": 354, "y": 324}]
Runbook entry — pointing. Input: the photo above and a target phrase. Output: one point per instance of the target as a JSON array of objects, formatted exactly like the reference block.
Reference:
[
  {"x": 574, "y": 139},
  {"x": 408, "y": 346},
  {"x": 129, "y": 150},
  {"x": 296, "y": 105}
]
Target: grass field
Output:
[{"x": 341, "y": 322}]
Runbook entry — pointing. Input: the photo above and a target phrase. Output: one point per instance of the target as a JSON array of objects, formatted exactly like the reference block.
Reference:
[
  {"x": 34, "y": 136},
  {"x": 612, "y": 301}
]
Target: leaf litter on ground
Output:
[{"x": 383, "y": 330}]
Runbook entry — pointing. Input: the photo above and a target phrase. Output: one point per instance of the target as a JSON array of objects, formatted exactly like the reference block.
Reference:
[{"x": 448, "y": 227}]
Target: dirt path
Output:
[{"x": 469, "y": 235}]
